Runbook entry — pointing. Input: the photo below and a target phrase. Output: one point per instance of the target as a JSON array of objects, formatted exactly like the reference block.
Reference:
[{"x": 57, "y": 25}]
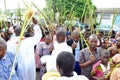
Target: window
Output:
[{"x": 106, "y": 16}]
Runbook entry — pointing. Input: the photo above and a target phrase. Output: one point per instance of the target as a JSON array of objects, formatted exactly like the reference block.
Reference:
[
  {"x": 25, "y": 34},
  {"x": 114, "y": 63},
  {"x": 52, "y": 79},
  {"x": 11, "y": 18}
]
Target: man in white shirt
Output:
[
  {"x": 37, "y": 30},
  {"x": 65, "y": 64},
  {"x": 60, "y": 46},
  {"x": 25, "y": 57}
]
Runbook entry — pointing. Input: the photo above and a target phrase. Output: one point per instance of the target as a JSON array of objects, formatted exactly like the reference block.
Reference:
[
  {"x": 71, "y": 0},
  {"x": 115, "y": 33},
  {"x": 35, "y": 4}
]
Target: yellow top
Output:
[{"x": 52, "y": 75}]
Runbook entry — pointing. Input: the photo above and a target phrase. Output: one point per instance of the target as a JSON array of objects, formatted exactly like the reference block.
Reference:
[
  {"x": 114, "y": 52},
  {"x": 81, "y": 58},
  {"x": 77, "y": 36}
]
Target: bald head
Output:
[
  {"x": 76, "y": 35},
  {"x": 93, "y": 40},
  {"x": 60, "y": 35},
  {"x": 93, "y": 36}
]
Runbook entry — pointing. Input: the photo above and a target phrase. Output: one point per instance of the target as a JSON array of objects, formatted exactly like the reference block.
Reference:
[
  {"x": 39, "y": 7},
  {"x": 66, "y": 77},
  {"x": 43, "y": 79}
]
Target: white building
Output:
[{"x": 107, "y": 15}]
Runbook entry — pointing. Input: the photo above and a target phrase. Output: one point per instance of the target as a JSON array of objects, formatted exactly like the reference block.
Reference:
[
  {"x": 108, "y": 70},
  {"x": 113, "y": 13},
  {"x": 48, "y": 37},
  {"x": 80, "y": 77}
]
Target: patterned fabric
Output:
[
  {"x": 97, "y": 70},
  {"x": 115, "y": 75},
  {"x": 84, "y": 57},
  {"x": 43, "y": 49},
  {"x": 6, "y": 66}
]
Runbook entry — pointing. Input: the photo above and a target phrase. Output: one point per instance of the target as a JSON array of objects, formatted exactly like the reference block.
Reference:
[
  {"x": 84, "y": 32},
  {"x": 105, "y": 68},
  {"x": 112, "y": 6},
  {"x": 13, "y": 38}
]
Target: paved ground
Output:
[{"x": 37, "y": 75}]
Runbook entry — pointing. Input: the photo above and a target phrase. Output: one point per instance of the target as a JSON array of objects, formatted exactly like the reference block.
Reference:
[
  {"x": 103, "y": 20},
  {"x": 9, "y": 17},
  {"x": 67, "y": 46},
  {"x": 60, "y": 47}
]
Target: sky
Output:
[
  {"x": 106, "y": 3},
  {"x": 12, "y": 4}
]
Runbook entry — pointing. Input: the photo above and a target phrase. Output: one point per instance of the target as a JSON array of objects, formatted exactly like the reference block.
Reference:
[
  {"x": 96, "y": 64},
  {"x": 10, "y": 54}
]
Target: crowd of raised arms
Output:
[{"x": 60, "y": 52}]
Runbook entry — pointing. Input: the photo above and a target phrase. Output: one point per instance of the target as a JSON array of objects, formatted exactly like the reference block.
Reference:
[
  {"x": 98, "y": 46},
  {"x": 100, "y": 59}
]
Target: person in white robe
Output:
[
  {"x": 59, "y": 46},
  {"x": 25, "y": 57}
]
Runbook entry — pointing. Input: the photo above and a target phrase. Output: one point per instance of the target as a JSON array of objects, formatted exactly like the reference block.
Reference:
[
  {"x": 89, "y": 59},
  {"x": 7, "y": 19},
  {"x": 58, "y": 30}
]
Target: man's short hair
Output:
[
  {"x": 61, "y": 32},
  {"x": 65, "y": 60},
  {"x": 18, "y": 30}
]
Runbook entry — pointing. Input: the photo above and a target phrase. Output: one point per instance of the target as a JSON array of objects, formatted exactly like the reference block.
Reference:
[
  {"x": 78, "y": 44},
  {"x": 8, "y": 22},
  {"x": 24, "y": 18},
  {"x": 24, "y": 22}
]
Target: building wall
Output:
[{"x": 107, "y": 17}]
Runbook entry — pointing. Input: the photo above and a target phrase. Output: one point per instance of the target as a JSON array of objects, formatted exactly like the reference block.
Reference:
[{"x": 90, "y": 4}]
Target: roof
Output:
[{"x": 108, "y": 10}]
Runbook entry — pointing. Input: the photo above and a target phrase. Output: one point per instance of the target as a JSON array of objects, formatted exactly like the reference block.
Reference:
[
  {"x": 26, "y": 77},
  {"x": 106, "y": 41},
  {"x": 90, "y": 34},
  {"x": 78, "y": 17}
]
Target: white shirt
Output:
[
  {"x": 25, "y": 57},
  {"x": 58, "y": 48},
  {"x": 77, "y": 52},
  {"x": 37, "y": 32},
  {"x": 74, "y": 77},
  {"x": 105, "y": 68},
  {"x": 11, "y": 29}
]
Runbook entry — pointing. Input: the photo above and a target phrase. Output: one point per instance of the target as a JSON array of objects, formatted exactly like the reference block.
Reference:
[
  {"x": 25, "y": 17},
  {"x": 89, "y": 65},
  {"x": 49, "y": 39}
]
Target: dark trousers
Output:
[{"x": 77, "y": 68}]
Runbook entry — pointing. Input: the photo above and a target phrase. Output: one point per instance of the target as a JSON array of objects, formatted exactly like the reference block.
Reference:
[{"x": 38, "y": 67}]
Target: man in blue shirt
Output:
[
  {"x": 76, "y": 45},
  {"x": 6, "y": 62}
]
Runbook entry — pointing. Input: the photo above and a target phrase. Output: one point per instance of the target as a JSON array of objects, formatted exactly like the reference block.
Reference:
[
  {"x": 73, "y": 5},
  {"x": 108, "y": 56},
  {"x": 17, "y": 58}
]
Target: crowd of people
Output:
[{"x": 60, "y": 54}]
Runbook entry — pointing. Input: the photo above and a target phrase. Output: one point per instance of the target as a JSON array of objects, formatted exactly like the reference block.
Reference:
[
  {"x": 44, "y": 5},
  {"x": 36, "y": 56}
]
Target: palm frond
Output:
[{"x": 28, "y": 18}]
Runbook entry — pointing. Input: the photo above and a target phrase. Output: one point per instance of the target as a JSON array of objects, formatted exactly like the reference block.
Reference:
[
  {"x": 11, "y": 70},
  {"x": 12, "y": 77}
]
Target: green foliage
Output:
[
  {"x": 62, "y": 5},
  {"x": 66, "y": 8}
]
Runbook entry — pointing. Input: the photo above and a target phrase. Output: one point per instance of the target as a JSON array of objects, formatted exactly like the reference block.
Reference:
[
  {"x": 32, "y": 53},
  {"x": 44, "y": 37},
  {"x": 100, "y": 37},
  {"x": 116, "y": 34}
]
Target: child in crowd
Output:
[
  {"x": 105, "y": 43},
  {"x": 102, "y": 67}
]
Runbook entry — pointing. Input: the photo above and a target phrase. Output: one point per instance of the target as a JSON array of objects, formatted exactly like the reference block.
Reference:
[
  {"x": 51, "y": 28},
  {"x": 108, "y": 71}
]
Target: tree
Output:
[{"x": 68, "y": 8}]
